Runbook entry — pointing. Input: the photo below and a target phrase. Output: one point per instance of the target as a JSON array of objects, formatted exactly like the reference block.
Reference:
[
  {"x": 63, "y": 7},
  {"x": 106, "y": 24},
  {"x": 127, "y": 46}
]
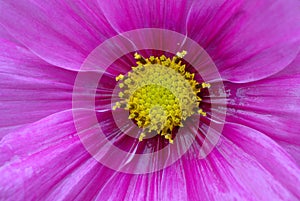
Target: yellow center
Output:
[{"x": 159, "y": 94}]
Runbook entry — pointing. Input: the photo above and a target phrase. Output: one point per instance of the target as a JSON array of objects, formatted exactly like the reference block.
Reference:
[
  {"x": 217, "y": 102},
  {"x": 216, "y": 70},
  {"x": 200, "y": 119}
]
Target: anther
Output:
[
  {"x": 139, "y": 58},
  {"x": 142, "y": 135},
  {"x": 181, "y": 54},
  {"x": 120, "y": 77}
]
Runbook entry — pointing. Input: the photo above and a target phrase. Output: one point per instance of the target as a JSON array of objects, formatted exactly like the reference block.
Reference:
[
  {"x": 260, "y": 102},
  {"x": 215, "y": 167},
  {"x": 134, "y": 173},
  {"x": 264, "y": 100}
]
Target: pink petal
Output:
[
  {"x": 245, "y": 165},
  {"x": 270, "y": 106},
  {"x": 30, "y": 88},
  {"x": 39, "y": 157},
  {"x": 168, "y": 184},
  {"x": 62, "y": 33},
  {"x": 48, "y": 161},
  {"x": 248, "y": 40},
  {"x": 129, "y": 15}
]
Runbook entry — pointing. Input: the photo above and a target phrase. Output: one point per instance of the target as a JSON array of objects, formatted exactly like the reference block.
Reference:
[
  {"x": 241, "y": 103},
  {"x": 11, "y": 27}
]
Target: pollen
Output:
[{"x": 159, "y": 94}]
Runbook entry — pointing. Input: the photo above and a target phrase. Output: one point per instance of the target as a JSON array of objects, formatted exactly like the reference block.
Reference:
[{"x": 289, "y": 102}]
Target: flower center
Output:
[{"x": 159, "y": 94}]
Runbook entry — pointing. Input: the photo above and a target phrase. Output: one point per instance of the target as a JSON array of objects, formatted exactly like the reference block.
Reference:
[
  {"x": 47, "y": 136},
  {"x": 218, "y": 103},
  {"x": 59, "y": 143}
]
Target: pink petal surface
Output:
[
  {"x": 62, "y": 33},
  {"x": 30, "y": 88},
  {"x": 222, "y": 28},
  {"x": 43, "y": 154},
  {"x": 246, "y": 165},
  {"x": 48, "y": 162},
  {"x": 247, "y": 40},
  {"x": 133, "y": 14},
  {"x": 270, "y": 106}
]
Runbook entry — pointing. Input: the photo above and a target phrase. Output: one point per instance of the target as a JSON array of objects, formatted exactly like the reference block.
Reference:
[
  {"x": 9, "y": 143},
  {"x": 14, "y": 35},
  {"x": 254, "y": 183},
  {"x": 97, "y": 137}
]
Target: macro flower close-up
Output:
[{"x": 150, "y": 100}]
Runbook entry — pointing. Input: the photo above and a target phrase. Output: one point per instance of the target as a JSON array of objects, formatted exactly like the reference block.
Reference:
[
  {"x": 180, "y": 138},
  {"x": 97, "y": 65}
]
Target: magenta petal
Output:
[
  {"x": 30, "y": 88},
  {"x": 270, "y": 106},
  {"x": 168, "y": 184},
  {"x": 39, "y": 157},
  {"x": 245, "y": 165},
  {"x": 48, "y": 161},
  {"x": 129, "y": 15},
  {"x": 61, "y": 33},
  {"x": 248, "y": 40}
]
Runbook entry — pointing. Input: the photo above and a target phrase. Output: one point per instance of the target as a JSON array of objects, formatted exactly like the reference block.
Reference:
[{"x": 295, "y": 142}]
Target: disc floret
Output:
[{"x": 159, "y": 94}]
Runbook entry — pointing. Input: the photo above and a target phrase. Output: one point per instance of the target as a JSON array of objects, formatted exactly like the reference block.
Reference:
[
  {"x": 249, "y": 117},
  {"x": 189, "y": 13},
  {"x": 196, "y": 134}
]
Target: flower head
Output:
[
  {"x": 149, "y": 100},
  {"x": 160, "y": 94}
]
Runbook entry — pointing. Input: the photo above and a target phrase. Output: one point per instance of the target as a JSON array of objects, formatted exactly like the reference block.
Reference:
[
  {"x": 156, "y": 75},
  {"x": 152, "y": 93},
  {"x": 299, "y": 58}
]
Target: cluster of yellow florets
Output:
[{"x": 159, "y": 94}]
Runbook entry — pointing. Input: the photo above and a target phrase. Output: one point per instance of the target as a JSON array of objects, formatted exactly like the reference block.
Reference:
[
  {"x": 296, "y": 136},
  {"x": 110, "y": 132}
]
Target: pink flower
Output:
[{"x": 45, "y": 44}]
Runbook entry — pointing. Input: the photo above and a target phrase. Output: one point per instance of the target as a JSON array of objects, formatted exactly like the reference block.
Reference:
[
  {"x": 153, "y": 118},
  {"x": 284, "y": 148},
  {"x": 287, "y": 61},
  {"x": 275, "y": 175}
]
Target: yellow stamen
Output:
[
  {"x": 201, "y": 112},
  {"x": 117, "y": 105},
  {"x": 119, "y": 77},
  {"x": 181, "y": 54},
  {"x": 121, "y": 85},
  {"x": 159, "y": 94},
  {"x": 137, "y": 56},
  {"x": 205, "y": 85},
  {"x": 142, "y": 136}
]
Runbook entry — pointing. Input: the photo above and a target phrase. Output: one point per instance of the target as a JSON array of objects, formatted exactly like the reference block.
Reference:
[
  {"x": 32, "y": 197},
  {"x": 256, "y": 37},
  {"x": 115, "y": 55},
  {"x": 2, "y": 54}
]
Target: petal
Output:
[
  {"x": 248, "y": 40},
  {"x": 30, "y": 88},
  {"x": 167, "y": 184},
  {"x": 42, "y": 156},
  {"x": 53, "y": 165},
  {"x": 129, "y": 15},
  {"x": 245, "y": 165},
  {"x": 62, "y": 33},
  {"x": 48, "y": 162},
  {"x": 270, "y": 106}
]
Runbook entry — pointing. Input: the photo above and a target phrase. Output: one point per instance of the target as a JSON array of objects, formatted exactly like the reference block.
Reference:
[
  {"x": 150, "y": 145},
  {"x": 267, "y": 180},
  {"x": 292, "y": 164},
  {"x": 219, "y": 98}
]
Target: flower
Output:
[{"x": 45, "y": 44}]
